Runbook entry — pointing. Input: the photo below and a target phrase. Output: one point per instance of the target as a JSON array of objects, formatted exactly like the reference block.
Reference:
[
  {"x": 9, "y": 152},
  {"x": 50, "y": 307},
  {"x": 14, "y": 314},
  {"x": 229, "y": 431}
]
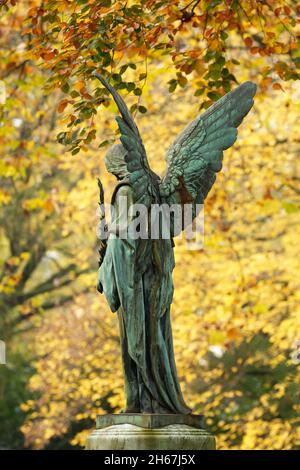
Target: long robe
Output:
[{"x": 136, "y": 278}]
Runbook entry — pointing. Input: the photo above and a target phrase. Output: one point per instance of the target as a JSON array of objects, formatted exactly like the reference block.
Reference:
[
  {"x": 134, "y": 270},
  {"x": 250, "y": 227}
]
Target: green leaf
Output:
[
  {"x": 130, "y": 86},
  {"x": 65, "y": 87},
  {"x": 214, "y": 74},
  {"x": 74, "y": 94},
  {"x": 173, "y": 86},
  {"x": 290, "y": 207},
  {"x": 116, "y": 77},
  {"x": 225, "y": 72},
  {"x": 199, "y": 92},
  {"x": 204, "y": 105},
  {"x": 123, "y": 69},
  {"x": 133, "y": 108},
  {"x": 226, "y": 86},
  {"x": 104, "y": 143},
  {"x": 220, "y": 61},
  {"x": 213, "y": 95},
  {"x": 142, "y": 109}
]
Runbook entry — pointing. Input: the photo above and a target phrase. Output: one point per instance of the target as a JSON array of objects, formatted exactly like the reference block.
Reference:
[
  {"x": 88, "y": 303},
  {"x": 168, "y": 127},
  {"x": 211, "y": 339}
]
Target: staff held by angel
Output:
[{"x": 135, "y": 274}]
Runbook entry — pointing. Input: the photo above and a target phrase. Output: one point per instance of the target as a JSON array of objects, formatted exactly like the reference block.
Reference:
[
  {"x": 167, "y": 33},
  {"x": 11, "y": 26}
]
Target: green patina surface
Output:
[
  {"x": 150, "y": 421},
  {"x": 136, "y": 274}
]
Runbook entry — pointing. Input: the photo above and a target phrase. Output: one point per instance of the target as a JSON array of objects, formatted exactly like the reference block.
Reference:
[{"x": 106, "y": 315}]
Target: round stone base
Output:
[{"x": 131, "y": 437}]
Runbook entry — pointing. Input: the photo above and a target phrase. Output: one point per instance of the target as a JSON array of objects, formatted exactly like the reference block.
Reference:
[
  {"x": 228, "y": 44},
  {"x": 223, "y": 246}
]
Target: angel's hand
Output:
[{"x": 99, "y": 284}]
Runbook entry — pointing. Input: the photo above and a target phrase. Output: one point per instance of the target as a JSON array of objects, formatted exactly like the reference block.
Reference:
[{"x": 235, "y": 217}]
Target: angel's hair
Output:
[{"x": 115, "y": 161}]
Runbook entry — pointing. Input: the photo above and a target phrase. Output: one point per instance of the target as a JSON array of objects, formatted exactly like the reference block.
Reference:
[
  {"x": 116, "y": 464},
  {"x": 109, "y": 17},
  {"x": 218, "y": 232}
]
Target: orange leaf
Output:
[
  {"x": 79, "y": 85},
  {"x": 270, "y": 34},
  {"x": 248, "y": 42},
  {"x": 233, "y": 333},
  {"x": 62, "y": 105},
  {"x": 48, "y": 55},
  {"x": 277, "y": 86},
  {"x": 208, "y": 32},
  {"x": 277, "y": 11},
  {"x": 49, "y": 207}
]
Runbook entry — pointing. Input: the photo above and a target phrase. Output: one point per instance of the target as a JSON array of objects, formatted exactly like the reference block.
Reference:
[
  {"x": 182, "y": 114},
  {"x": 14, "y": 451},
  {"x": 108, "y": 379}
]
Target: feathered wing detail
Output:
[
  {"x": 196, "y": 155},
  {"x": 143, "y": 180}
]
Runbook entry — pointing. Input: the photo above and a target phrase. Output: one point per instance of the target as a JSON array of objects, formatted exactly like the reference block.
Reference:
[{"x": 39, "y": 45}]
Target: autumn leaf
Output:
[
  {"x": 277, "y": 86},
  {"x": 62, "y": 105}
]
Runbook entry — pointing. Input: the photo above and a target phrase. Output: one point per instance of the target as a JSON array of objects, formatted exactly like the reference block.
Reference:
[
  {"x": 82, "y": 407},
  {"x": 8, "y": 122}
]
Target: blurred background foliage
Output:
[{"x": 236, "y": 307}]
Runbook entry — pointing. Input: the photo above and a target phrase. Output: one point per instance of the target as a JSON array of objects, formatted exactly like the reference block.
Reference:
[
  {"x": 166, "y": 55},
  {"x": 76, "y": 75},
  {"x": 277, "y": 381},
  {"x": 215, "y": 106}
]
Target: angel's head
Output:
[{"x": 115, "y": 161}]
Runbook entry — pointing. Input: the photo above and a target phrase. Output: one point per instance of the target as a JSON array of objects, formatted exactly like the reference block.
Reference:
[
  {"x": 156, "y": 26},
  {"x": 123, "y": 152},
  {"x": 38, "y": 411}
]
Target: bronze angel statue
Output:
[{"x": 136, "y": 274}]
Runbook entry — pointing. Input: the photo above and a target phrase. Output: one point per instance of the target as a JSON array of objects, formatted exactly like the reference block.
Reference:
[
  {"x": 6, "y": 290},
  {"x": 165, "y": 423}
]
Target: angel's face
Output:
[{"x": 115, "y": 161}]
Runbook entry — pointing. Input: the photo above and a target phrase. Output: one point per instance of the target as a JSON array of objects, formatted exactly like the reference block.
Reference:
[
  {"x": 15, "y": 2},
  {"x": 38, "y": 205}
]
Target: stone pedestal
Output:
[{"x": 150, "y": 432}]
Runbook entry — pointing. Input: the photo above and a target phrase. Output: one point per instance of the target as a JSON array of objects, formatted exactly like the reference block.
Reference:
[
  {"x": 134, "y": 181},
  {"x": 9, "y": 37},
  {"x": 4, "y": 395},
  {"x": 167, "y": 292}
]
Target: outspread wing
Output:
[
  {"x": 197, "y": 153},
  {"x": 143, "y": 180}
]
